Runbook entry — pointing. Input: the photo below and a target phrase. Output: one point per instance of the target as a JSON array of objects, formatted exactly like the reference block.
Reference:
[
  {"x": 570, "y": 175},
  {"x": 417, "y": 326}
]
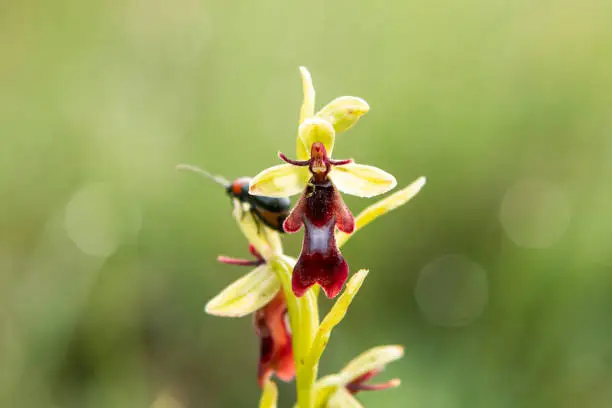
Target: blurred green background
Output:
[{"x": 497, "y": 277}]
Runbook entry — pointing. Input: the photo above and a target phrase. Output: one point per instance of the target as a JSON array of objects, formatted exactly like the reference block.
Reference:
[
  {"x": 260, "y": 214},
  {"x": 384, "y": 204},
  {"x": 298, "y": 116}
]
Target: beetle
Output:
[{"x": 271, "y": 211}]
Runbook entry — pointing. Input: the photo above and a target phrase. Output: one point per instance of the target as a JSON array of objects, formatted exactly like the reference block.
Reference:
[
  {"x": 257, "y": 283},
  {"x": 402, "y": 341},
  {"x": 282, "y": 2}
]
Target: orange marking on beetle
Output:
[{"x": 236, "y": 188}]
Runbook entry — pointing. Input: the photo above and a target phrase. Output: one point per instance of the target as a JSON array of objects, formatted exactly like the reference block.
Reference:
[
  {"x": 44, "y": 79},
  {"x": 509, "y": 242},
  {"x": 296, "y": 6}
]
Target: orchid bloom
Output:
[
  {"x": 320, "y": 208},
  {"x": 338, "y": 390},
  {"x": 258, "y": 292},
  {"x": 271, "y": 320},
  {"x": 254, "y": 290}
]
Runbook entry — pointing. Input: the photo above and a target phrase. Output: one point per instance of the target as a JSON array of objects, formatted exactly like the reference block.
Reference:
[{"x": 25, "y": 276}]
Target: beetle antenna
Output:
[{"x": 194, "y": 169}]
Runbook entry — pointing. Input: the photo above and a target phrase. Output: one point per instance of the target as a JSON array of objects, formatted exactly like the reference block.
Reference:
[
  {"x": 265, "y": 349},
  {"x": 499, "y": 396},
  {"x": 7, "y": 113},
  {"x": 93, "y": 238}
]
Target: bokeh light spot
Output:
[
  {"x": 166, "y": 400},
  {"x": 535, "y": 213},
  {"x": 98, "y": 220},
  {"x": 452, "y": 291}
]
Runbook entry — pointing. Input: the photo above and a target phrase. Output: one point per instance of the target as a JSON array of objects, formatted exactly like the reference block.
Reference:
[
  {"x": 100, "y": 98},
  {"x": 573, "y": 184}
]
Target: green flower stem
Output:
[
  {"x": 304, "y": 319},
  {"x": 335, "y": 316},
  {"x": 269, "y": 396}
]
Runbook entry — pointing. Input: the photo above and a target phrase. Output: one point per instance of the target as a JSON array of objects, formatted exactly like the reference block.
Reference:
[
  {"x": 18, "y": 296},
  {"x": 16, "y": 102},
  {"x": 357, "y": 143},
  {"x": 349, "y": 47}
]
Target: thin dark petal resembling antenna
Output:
[{"x": 194, "y": 169}]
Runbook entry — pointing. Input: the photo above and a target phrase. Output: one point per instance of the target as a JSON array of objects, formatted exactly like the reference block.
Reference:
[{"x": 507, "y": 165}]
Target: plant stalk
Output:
[{"x": 304, "y": 319}]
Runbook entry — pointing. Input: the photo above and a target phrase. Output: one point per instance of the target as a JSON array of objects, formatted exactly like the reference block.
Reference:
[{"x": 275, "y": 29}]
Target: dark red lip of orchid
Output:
[
  {"x": 320, "y": 209},
  {"x": 358, "y": 384},
  {"x": 276, "y": 351}
]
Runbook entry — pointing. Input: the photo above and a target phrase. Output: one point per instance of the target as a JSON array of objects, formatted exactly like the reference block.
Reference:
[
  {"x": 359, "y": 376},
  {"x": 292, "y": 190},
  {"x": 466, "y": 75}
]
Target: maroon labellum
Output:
[
  {"x": 276, "y": 351},
  {"x": 320, "y": 210}
]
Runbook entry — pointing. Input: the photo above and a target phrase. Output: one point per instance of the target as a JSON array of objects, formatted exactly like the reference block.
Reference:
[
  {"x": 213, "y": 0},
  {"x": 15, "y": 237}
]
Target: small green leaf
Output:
[{"x": 335, "y": 316}]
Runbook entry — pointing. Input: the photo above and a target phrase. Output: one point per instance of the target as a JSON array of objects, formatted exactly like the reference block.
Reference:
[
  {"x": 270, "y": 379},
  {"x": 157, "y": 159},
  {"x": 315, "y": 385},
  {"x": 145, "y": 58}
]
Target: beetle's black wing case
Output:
[{"x": 272, "y": 204}]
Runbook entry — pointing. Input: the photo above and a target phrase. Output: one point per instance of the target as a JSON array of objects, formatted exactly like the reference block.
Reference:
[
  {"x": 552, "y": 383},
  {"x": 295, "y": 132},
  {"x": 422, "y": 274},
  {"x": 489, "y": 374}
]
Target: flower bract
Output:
[{"x": 337, "y": 391}]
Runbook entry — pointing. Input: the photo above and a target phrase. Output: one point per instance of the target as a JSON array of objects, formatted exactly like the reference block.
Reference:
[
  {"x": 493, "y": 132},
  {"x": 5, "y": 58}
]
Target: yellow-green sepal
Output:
[
  {"x": 283, "y": 180},
  {"x": 343, "y": 112},
  {"x": 307, "y": 110},
  {"x": 362, "y": 180},
  {"x": 246, "y": 295}
]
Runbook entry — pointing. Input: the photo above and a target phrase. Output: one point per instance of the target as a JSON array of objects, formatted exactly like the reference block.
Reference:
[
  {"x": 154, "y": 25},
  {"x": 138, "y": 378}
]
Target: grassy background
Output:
[{"x": 107, "y": 254}]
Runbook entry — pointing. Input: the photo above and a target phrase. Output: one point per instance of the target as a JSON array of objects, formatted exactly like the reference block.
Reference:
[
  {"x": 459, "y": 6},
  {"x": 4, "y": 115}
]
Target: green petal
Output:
[
  {"x": 361, "y": 180},
  {"x": 343, "y": 112},
  {"x": 317, "y": 130},
  {"x": 301, "y": 152},
  {"x": 283, "y": 180},
  {"x": 246, "y": 295}
]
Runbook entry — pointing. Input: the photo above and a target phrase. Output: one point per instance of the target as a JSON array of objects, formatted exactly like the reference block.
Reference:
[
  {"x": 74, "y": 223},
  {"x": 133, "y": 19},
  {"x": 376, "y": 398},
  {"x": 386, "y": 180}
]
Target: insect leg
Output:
[{"x": 256, "y": 219}]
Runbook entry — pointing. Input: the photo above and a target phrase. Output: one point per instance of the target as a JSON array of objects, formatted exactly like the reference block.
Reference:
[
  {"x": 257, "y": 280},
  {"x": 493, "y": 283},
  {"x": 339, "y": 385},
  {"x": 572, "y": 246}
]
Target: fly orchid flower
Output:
[
  {"x": 255, "y": 289},
  {"x": 318, "y": 177},
  {"x": 271, "y": 320},
  {"x": 338, "y": 390}
]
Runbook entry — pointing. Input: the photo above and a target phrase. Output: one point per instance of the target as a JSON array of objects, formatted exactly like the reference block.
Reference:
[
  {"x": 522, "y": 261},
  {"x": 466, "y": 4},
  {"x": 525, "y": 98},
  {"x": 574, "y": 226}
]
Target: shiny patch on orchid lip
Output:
[{"x": 319, "y": 236}]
